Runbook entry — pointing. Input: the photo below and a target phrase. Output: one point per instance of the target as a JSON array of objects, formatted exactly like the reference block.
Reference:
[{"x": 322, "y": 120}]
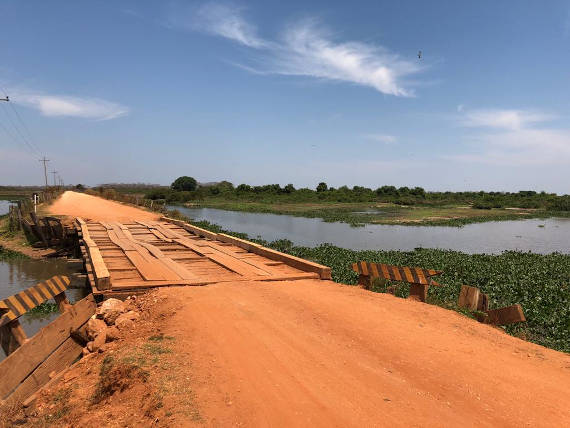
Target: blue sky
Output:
[{"x": 288, "y": 92}]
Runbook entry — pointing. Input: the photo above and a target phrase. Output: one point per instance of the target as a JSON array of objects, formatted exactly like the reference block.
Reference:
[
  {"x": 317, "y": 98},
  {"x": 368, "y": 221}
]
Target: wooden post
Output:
[
  {"x": 468, "y": 297},
  {"x": 483, "y": 302},
  {"x": 62, "y": 302},
  {"x": 418, "y": 292},
  {"x": 12, "y": 336},
  {"x": 38, "y": 229},
  {"x": 18, "y": 208},
  {"x": 365, "y": 281}
]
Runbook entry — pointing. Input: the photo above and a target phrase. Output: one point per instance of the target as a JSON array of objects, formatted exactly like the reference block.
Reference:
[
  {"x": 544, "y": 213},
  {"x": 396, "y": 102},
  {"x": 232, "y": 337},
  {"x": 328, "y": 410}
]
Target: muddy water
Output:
[
  {"x": 536, "y": 235},
  {"x": 18, "y": 274}
]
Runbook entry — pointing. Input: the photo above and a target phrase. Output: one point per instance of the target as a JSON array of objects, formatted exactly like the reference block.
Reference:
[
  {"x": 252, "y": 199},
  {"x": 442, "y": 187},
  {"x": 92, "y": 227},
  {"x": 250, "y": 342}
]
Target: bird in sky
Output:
[{"x": 419, "y": 54}]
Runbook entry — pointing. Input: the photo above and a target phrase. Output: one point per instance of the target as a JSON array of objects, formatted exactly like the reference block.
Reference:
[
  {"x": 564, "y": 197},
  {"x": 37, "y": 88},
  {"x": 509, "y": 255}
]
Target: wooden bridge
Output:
[{"x": 125, "y": 258}]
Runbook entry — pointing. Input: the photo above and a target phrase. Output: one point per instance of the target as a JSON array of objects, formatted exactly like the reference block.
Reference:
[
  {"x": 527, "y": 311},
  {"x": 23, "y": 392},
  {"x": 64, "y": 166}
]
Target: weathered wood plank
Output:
[
  {"x": 504, "y": 316},
  {"x": 27, "y": 357},
  {"x": 468, "y": 297},
  {"x": 61, "y": 358}
]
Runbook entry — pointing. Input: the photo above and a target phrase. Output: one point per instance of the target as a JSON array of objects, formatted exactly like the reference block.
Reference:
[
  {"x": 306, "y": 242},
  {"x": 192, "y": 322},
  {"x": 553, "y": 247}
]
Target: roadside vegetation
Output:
[
  {"x": 360, "y": 205},
  {"x": 540, "y": 283}
]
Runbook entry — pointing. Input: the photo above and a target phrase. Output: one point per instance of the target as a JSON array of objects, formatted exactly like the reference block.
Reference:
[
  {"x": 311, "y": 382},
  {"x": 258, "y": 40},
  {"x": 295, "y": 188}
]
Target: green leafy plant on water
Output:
[
  {"x": 540, "y": 283},
  {"x": 42, "y": 310}
]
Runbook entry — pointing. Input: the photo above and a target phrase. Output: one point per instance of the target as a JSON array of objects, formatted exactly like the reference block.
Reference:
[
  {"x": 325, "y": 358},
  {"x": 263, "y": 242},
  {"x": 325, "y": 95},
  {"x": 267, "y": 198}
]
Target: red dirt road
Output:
[
  {"x": 93, "y": 208},
  {"x": 316, "y": 353}
]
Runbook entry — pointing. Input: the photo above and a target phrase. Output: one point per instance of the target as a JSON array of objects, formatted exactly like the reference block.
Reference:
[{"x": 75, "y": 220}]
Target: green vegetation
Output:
[
  {"x": 42, "y": 310},
  {"x": 6, "y": 254},
  {"x": 540, "y": 283},
  {"x": 361, "y": 205},
  {"x": 184, "y": 184}
]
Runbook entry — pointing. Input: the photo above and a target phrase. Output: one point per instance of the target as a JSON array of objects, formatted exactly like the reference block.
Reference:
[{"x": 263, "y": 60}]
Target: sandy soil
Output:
[{"x": 89, "y": 207}]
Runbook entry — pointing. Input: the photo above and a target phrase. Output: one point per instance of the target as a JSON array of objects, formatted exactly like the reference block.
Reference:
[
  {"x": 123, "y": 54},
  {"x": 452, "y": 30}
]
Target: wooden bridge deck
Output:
[{"x": 126, "y": 257}]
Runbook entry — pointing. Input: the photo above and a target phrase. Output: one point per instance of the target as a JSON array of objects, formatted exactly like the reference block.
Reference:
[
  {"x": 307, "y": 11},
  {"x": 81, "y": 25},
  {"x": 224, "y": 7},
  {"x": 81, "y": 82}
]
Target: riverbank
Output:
[{"x": 359, "y": 214}]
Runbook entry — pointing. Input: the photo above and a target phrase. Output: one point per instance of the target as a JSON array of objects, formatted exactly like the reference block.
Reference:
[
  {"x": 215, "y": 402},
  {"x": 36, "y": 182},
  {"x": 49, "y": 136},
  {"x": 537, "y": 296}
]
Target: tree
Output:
[
  {"x": 289, "y": 188},
  {"x": 322, "y": 187},
  {"x": 184, "y": 183}
]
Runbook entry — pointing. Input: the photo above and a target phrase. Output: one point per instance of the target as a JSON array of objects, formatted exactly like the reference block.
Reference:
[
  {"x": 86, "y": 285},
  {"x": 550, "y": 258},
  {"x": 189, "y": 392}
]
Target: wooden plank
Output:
[
  {"x": 60, "y": 359},
  {"x": 170, "y": 269},
  {"x": 145, "y": 268},
  {"x": 18, "y": 365},
  {"x": 296, "y": 262},
  {"x": 468, "y": 297},
  {"x": 504, "y": 316},
  {"x": 124, "y": 286}
]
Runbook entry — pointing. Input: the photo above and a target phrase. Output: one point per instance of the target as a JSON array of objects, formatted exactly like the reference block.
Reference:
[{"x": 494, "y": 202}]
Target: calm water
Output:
[
  {"x": 490, "y": 237},
  {"x": 4, "y": 204},
  {"x": 19, "y": 274}
]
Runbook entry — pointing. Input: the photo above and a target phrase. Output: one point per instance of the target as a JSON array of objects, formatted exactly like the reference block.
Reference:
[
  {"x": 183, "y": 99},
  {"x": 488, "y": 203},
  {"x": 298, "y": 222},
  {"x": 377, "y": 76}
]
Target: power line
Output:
[
  {"x": 28, "y": 139},
  {"x": 45, "y": 161}
]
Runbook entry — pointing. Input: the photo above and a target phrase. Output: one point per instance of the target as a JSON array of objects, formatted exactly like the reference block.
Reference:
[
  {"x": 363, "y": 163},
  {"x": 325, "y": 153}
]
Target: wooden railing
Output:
[{"x": 33, "y": 362}]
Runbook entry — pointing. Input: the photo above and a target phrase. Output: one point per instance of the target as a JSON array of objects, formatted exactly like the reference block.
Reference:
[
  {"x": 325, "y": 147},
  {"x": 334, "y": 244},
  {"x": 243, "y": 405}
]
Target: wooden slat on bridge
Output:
[{"x": 143, "y": 254}]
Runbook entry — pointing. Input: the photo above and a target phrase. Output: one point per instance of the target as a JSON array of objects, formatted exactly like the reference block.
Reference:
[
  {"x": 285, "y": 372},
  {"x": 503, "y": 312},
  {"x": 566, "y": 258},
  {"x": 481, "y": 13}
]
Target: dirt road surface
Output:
[
  {"x": 93, "y": 208},
  {"x": 317, "y": 353}
]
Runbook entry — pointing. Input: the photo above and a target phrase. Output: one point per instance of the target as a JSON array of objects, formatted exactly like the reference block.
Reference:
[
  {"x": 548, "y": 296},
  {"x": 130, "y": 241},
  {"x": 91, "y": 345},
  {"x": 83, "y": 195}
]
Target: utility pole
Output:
[
  {"x": 45, "y": 161},
  {"x": 54, "y": 173}
]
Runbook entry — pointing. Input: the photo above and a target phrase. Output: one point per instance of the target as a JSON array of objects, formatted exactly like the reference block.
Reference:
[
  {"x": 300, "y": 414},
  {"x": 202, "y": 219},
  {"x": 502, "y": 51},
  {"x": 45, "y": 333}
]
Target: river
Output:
[{"x": 536, "y": 235}]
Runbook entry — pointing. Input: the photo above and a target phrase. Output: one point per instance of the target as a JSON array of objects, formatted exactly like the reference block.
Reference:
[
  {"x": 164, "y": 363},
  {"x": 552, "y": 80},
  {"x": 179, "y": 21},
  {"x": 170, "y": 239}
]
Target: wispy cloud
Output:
[
  {"x": 515, "y": 139},
  {"x": 304, "y": 48},
  {"x": 224, "y": 20},
  {"x": 503, "y": 119},
  {"x": 386, "y": 139},
  {"x": 70, "y": 106}
]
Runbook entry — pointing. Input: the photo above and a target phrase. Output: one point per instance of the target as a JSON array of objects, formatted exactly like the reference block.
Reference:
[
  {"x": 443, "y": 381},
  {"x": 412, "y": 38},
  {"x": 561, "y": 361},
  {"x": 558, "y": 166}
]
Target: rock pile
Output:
[{"x": 112, "y": 320}]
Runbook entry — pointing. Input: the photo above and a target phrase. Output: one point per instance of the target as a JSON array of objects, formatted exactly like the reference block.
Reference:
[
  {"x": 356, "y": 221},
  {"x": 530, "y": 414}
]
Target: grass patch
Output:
[
  {"x": 6, "y": 254},
  {"x": 156, "y": 349},
  {"x": 160, "y": 338},
  {"x": 359, "y": 214}
]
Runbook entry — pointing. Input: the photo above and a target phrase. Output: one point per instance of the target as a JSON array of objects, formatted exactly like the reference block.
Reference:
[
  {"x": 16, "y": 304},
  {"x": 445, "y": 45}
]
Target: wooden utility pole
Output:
[
  {"x": 45, "y": 161},
  {"x": 54, "y": 173}
]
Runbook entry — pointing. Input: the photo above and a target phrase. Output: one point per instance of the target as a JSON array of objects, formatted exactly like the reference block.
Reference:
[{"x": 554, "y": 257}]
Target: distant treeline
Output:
[{"x": 271, "y": 193}]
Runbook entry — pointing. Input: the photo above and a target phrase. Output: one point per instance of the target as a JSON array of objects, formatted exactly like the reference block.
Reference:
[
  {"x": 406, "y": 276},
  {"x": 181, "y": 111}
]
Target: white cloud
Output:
[
  {"x": 515, "y": 142},
  {"x": 503, "y": 119},
  {"x": 63, "y": 105},
  {"x": 218, "y": 19},
  {"x": 386, "y": 139},
  {"x": 304, "y": 49}
]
